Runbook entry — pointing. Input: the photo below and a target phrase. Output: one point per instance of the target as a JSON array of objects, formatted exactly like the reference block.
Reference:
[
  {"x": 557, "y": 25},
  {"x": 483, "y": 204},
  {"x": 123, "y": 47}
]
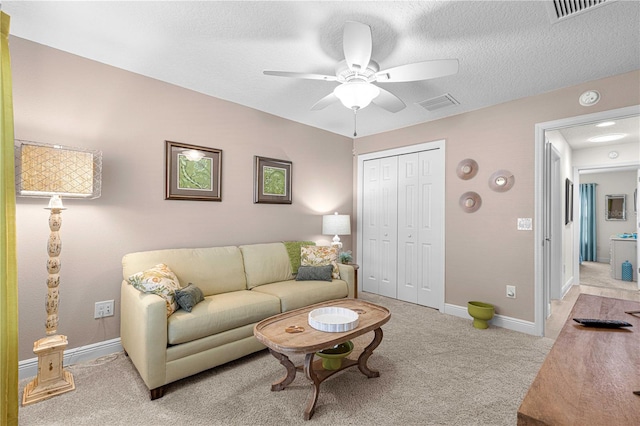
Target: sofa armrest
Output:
[
  {"x": 143, "y": 333},
  {"x": 347, "y": 273}
]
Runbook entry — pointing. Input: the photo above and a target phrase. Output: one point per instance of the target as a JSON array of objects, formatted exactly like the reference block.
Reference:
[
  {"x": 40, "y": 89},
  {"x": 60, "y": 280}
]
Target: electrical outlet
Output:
[
  {"x": 103, "y": 309},
  {"x": 511, "y": 291}
]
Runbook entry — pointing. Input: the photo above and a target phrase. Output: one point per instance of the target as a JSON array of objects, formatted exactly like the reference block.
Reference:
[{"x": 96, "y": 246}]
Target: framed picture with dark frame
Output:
[
  {"x": 272, "y": 181},
  {"x": 568, "y": 201},
  {"x": 192, "y": 172}
]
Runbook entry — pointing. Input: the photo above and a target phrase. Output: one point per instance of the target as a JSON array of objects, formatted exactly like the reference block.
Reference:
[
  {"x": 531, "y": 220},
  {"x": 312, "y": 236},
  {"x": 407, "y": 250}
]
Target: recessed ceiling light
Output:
[
  {"x": 607, "y": 138},
  {"x": 606, "y": 124}
]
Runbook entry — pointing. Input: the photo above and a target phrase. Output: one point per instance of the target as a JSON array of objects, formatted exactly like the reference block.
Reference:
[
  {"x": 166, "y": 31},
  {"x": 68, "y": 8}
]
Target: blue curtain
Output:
[{"x": 588, "y": 248}]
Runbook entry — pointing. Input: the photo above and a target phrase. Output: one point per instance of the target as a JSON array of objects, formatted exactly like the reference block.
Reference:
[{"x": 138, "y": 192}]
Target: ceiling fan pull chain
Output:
[{"x": 355, "y": 122}]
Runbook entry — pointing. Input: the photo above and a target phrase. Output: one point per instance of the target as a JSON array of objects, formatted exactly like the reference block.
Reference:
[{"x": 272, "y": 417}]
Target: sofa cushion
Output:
[
  {"x": 215, "y": 269},
  {"x": 189, "y": 297},
  {"x": 297, "y": 294},
  {"x": 320, "y": 256},
  {"x": 265, "y": 263},
  {"x": 159, "y": 280},
  {"x": 315, "y": 273},
  {"x": 220, "y": 312}
]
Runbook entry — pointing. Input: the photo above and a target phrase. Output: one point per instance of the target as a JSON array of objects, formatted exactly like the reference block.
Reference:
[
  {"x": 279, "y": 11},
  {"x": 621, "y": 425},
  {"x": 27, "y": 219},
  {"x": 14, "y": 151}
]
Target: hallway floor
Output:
[{"x": 595, "y": 274}]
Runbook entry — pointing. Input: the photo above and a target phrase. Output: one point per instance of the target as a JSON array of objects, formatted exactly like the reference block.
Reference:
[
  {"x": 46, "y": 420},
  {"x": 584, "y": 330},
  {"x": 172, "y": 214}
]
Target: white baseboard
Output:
[
  {"x": 509, "y": 323},
  {"x": 29, "y": 367}
]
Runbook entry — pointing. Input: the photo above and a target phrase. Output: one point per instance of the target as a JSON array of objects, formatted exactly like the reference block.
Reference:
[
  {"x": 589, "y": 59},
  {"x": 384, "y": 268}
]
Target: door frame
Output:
[
  {"x": 425, "y": 146},
  {"x": 540, "y": 192}
]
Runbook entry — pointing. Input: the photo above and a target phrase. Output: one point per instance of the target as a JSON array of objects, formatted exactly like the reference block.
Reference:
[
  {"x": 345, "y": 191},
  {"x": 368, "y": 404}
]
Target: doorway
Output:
[{"x": 543, "y": 195}]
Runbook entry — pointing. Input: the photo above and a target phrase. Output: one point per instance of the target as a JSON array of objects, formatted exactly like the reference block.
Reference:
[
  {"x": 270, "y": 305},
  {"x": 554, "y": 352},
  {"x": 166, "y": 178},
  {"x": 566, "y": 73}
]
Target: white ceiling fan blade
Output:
[
  {"x": 325, "y": 102},
  {"x": 418, "y": 71},
  {"x": 388, "y": 101},
  {"x": 356, "y": 41},
  {"x": 306, "y": 76}
]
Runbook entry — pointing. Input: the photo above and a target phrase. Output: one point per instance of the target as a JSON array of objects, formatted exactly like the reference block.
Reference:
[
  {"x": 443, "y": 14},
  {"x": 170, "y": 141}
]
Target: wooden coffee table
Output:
[{"x": 279, "y": 334}]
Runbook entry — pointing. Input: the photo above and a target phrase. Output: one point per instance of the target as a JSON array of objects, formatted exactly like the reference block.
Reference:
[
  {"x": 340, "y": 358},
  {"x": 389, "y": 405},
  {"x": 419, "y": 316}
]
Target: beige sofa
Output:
[{"x": 242, "y": 286}]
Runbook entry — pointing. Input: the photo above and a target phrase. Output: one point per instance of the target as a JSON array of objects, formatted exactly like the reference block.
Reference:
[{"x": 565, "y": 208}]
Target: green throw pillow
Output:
[
  {"x": 189, "y": 297},
  {"x": 315, "y": 273}
]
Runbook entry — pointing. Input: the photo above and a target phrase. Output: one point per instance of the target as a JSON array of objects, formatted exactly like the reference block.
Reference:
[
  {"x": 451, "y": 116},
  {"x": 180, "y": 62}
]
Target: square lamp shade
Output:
[
  {"x": 44, "y": 170},
  {"x": 336, "y": 224}
]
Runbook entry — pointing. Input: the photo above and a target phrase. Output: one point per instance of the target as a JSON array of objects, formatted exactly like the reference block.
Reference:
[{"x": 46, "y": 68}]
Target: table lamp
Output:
[
  {"x": 54, "y": 171},
  {"x": 336, "y": 224}
]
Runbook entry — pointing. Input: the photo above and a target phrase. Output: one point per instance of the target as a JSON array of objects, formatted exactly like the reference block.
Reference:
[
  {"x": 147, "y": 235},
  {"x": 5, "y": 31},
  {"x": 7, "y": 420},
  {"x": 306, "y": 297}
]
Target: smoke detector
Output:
[{"x": 589, "y": 98}]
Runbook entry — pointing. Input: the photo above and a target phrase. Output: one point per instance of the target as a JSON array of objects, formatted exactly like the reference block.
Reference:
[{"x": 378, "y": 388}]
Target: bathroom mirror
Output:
[{"x": 616, "y": 206}]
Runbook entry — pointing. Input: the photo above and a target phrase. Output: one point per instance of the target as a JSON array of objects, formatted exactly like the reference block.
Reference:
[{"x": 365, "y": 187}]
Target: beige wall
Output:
[
  {"x": 64, "y": 99},
  {"x": 484, "y": 250},
  {"x": 61, "y": 98}
]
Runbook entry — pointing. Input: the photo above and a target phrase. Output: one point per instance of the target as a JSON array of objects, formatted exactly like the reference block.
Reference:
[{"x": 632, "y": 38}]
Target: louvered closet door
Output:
[
  {"x": 379, "y": 226},
  {"x": 420, "y": 227}
]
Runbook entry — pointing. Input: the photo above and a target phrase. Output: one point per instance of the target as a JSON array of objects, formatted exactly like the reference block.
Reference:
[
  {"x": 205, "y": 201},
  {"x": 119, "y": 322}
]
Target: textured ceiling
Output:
[{"x": 506, "y": 50}]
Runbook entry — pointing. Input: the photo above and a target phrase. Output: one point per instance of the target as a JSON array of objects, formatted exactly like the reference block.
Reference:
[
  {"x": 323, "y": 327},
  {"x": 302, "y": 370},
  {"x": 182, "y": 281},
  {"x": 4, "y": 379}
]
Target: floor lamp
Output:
[{"x": 54, "y": 171}]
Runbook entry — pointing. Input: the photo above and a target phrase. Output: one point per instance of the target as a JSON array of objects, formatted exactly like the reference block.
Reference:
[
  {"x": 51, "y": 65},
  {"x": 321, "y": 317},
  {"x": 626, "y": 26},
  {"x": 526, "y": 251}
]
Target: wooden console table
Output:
[{"x": 590, "y": 374}]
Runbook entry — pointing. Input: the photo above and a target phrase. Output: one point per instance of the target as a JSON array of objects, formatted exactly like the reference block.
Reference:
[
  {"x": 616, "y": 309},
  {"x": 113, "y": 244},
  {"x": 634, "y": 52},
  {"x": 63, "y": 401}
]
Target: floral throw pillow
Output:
[
  {"x": 159, "y": 280},
  {"x": 320, "y": 256}
]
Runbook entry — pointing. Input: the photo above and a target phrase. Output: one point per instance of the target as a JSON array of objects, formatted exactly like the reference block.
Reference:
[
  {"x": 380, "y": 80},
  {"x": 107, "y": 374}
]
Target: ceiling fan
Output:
[{"x": 357, "y": 73}]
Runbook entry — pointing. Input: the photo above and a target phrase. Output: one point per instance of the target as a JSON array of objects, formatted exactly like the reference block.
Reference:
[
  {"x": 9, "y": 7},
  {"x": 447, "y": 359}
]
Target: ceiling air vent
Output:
[
  {"x": 561, "y": 9},
  {"x": 438, "y": 102}
]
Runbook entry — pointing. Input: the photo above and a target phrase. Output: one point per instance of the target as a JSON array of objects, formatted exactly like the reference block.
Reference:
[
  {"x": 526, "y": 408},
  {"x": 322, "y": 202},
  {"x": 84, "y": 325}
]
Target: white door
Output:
[
  {"x": 557, "y": 221},
  {"x": 553, "y": 225},
  {"x": 420, "y": 228},
  {"x": 636, "y": 200},
  {"x": 408, "y": 227},
  {"x": 379, "y": 226},
  {"x": 431, "y": 265}
]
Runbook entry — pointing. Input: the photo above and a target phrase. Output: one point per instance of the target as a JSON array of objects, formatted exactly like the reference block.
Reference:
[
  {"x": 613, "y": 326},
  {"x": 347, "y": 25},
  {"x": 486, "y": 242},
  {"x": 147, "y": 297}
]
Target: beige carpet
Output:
[
  {"x": 435, "y": 369},
  {"x": 599, "y": 275}
]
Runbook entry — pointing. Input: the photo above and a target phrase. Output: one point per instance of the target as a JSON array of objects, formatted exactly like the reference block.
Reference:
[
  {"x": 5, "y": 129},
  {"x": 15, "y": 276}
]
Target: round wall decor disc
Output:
[
  {"x": 467, "y": 169},
  {"x": 502, "y": 181},
  {"x": 470, "y": 201}
]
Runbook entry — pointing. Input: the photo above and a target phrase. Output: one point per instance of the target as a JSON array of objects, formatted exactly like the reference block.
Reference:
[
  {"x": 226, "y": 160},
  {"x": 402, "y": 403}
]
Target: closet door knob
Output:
[{"x": 409, "y": 235}]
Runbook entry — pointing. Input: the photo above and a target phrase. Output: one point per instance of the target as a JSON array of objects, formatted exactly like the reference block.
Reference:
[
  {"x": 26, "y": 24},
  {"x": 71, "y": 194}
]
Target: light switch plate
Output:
[{"x": 525, "y": 224}]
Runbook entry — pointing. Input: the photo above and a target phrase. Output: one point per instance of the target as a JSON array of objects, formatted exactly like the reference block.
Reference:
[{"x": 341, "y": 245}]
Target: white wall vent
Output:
[
  {"x": 560, "y": 10},
  {"x": 438, "y": 102}
]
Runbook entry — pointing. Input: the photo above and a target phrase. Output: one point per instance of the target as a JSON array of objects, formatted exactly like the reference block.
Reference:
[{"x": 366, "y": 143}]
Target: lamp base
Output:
[{"x": 52, "y": 379}]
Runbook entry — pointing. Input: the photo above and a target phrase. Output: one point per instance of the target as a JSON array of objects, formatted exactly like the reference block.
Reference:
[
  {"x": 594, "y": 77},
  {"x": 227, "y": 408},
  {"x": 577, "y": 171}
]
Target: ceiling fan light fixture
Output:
[{"x": 356, "y": 94}]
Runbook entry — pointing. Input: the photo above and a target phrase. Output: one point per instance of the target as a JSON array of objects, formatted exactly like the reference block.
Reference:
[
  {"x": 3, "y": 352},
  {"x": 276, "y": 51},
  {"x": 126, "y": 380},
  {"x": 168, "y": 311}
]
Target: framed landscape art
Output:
[
  {"x": 192, "y": 172},
  {"x": 272, "y": 181}
]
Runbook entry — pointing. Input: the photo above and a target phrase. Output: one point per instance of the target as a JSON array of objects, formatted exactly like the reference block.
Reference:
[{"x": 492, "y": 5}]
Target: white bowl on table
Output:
[{"x": 333, "y": 319}]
